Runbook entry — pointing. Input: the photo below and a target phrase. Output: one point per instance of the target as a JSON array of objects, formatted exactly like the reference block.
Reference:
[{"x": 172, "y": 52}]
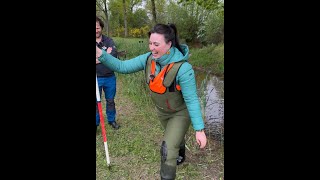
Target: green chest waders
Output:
[{"x": 174, "y": 117}]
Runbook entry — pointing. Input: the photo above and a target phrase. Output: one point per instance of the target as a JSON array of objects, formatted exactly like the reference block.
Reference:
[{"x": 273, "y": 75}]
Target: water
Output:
[{"x": 211, "y": 93}]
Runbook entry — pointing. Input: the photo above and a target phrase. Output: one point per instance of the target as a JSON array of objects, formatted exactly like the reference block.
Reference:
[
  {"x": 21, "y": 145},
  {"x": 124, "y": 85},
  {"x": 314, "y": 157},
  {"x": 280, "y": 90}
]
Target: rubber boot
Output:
[
  {"x": 182, "y": 154},
  {"x": 167, "y": 172}
]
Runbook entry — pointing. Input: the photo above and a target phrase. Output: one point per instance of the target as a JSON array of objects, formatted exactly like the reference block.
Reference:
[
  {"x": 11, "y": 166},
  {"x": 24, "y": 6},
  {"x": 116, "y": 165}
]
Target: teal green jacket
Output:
[{"x": 185, "y": 77}]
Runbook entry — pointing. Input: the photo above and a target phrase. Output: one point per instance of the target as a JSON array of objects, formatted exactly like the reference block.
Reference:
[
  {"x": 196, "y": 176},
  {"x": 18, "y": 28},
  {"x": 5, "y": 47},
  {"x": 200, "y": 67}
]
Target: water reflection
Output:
[{"x": 211, "y": 93}]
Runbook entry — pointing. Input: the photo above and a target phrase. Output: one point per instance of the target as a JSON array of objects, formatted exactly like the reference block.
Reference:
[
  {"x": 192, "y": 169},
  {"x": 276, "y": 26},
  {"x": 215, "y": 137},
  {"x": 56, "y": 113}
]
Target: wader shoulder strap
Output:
[
  {"x": 172, "y": 73},
  {"x": 147, "y": 69}
]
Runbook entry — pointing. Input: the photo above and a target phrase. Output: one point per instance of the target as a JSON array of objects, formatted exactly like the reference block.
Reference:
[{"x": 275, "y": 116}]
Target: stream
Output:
[{"x": 211, "y": 94}]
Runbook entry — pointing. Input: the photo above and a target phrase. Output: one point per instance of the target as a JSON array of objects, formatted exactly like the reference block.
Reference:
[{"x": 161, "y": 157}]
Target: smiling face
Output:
[
  {"x": 158, "y": 45},
  {"x": 98, "y": 30}
]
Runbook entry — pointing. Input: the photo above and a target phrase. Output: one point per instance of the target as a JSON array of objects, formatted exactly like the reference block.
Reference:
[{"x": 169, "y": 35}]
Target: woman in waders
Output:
[{"x": 172, "y": 86}]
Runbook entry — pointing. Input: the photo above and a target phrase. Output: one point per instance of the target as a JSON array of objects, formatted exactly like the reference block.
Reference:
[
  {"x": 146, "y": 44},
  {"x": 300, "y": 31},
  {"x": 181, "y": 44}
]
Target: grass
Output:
[
  {"x": 134, "y": 149},
  {"x": 210, "y": 59},
  {"x": 132, "y": 45}
]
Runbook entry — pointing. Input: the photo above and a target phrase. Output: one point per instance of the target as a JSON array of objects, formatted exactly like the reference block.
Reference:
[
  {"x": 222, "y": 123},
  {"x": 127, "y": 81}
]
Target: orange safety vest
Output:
[
  {"x": 164, "y": 79},
  {"x": 164, "y": 90}
]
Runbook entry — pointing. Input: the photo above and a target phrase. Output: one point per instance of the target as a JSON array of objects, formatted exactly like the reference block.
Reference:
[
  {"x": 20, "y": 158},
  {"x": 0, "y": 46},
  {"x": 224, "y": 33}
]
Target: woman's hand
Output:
[{"x": 201, "y": 138}]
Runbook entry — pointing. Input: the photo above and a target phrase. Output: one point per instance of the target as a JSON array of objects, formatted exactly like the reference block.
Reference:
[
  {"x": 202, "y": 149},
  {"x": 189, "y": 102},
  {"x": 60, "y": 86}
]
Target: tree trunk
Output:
[
  {"x": 107, "y": 18},
  {"x": 125, "y": 18},
  {"x": 154, "y": 17}
]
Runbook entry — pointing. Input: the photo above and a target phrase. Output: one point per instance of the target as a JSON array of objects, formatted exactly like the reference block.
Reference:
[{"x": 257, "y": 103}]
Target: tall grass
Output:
[
  {"x": 209, "y": 58},
  {"x": 133, "y": 46}
]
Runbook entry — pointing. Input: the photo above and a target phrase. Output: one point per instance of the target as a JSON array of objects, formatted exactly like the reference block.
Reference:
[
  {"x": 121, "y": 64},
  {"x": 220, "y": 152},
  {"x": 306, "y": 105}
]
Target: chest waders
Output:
[{"x": 172, "y": 112}]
